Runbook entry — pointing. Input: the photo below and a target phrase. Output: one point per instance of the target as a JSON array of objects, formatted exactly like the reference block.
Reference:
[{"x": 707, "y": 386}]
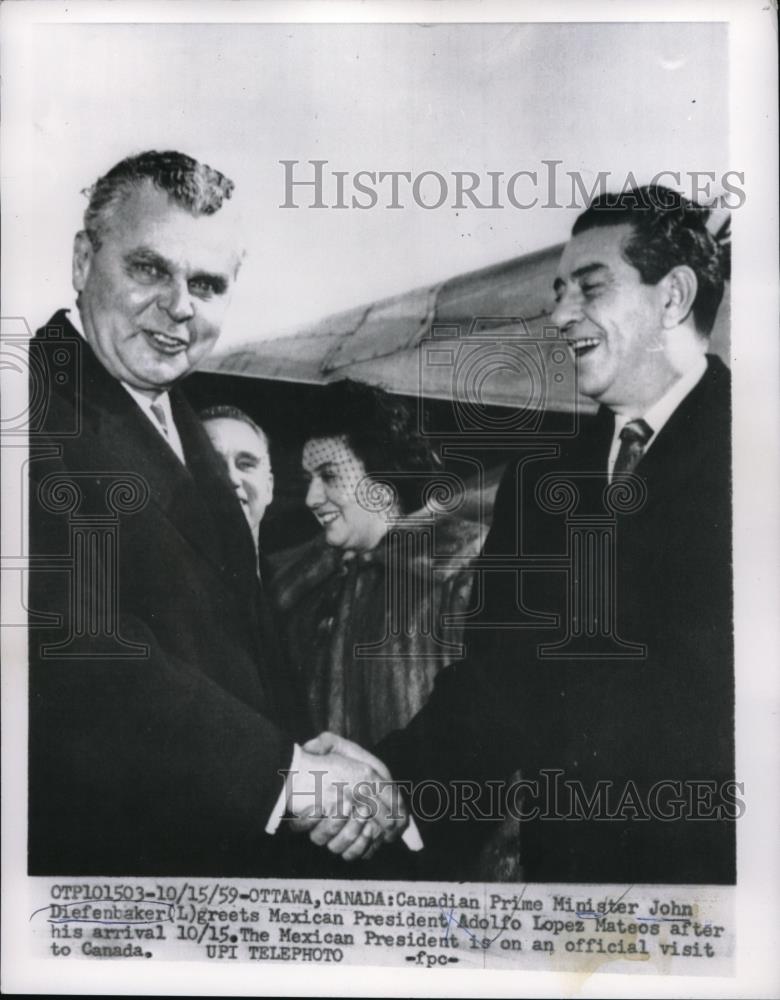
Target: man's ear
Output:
[
  {"x": 83, "y": 252},
  {"x": 680, "y": 287}
]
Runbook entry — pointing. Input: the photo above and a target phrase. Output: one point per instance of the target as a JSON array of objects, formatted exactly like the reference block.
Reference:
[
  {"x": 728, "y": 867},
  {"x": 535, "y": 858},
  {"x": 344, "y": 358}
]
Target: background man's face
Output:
[
  {"x": 248, "y": 463},
  {"x": 153, "y": 296},
  {"x": 334, "y": 472},
  {"x": 612, "y": 321}
]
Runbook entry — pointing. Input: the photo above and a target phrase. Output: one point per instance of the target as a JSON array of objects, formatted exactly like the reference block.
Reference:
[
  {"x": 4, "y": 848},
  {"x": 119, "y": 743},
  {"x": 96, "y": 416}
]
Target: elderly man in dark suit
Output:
[
  {"x": 161, "y": 722},
  {"x": 603, "y": 667},
  {"x": 245, "y": 451}
]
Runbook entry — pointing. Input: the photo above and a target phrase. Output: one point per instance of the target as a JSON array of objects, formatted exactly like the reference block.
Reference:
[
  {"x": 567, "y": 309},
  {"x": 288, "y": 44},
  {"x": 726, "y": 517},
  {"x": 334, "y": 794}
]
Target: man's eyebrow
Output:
[
  {"x": 588, "y": 269},
  {"x": 219, "y": 282},
  {"x": 143, "y": 254},
  {"x": 148, "y": 256},
  {"x": 581, "y": 272},
  {"x": 248, "y": 454}
]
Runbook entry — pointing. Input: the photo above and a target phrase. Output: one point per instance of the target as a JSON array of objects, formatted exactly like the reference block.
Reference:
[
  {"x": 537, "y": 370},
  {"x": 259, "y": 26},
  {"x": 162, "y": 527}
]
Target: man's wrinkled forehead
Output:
[
  {"x": 146, "y": 216},
  {"x": 598, "y": 248},
  {"x": 231, "y": 436}
]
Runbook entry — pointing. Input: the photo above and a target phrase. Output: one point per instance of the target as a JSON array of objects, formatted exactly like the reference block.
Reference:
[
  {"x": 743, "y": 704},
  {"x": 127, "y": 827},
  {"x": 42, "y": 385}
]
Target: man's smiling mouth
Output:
[
  {"x": 328, "y": 517},
  {"x": 165, "y": 342},
  {"x": 583, "y": 346}
]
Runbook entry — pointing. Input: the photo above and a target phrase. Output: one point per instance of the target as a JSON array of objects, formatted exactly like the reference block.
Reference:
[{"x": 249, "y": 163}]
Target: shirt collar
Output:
[
  {"x": 660, "y": 412},
  {"x": 144, "y": 401},
  {"x": 75, "y": 321}
]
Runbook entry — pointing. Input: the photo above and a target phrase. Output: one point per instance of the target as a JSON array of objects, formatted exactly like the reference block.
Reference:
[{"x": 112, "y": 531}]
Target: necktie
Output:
[
  {"x": 167, "y": 430},
  {"x": 159, "y": 414},
  {"x": 633, "y": 440}
]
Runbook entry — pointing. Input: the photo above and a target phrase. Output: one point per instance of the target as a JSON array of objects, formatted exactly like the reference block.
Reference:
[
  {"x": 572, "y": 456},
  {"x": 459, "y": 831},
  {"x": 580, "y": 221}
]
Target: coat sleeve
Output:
[
  {"x": 453, "y": 736},
  {"x": 138, "y": 763}
]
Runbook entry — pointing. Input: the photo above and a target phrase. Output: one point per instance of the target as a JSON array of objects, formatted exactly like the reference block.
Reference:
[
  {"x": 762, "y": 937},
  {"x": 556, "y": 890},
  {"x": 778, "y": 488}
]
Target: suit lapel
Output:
[
  {"x": 696, "y": 433},
  {"x": 129, "y": 442},
  {"x": 197, "y": 500},
  {"x": 699, "y": 424}
]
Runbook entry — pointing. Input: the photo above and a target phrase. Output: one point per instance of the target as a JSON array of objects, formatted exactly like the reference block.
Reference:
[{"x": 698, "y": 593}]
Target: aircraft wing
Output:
[{"x": 484, "y": 338}]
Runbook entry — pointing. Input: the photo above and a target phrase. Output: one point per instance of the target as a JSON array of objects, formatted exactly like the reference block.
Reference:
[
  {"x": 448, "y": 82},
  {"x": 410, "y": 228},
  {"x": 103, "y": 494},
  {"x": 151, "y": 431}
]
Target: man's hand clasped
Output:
[{"x": 345, "y": 798}]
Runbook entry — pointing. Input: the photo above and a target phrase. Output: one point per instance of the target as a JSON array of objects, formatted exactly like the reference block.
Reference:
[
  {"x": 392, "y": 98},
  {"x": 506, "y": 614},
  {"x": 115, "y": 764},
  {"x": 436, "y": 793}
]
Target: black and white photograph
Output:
[{"x": 389, "y": 550}]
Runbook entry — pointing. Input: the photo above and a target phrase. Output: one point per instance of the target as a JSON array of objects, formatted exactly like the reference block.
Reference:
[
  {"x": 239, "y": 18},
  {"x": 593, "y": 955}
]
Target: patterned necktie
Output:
[
  {"x": 633, "y": 439},
  {"x": 159, "y": 414}
]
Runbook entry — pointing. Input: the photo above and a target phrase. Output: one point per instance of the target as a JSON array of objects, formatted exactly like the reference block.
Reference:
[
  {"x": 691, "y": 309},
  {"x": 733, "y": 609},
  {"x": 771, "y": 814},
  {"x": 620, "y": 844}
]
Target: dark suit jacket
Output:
[
  {"x": 647, "y": 698},
  {"x": 159, "y": 717}
]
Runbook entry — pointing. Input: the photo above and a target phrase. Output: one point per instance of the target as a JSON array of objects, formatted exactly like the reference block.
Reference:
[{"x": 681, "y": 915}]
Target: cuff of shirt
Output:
[
  {"x": 411, "y": 835},
  {"x": 279, "y": 809}
]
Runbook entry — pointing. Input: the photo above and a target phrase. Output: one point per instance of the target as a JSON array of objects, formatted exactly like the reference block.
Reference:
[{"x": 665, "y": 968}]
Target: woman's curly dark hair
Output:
[{"x": 383, "y": 432}]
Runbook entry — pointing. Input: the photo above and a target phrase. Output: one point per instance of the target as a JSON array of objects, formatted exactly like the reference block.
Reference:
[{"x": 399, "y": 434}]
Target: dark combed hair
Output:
[
  {"x": 668, "y": 231},
  {"x": 192, "y": 185},
  {"x": 382, "y": 431}
]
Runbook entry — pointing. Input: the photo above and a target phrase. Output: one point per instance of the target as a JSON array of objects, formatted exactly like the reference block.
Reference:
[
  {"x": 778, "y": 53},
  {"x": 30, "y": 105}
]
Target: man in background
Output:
[{"x": 244, "y": 449}]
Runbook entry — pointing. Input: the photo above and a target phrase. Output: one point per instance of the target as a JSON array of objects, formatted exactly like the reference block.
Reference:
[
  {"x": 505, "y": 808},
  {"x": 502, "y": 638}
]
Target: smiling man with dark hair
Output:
[{"x": 603, "y": 650}]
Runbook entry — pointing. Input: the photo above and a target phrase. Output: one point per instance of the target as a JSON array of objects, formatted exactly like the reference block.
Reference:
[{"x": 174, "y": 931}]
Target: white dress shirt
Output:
[
  {"x": 658, "y": 414},
  {"x": 169, "y": 432}
]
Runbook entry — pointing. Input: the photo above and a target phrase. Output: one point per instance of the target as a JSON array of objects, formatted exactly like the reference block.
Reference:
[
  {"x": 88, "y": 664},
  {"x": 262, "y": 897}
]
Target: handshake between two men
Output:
[{"x": 345, "y": 799}]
